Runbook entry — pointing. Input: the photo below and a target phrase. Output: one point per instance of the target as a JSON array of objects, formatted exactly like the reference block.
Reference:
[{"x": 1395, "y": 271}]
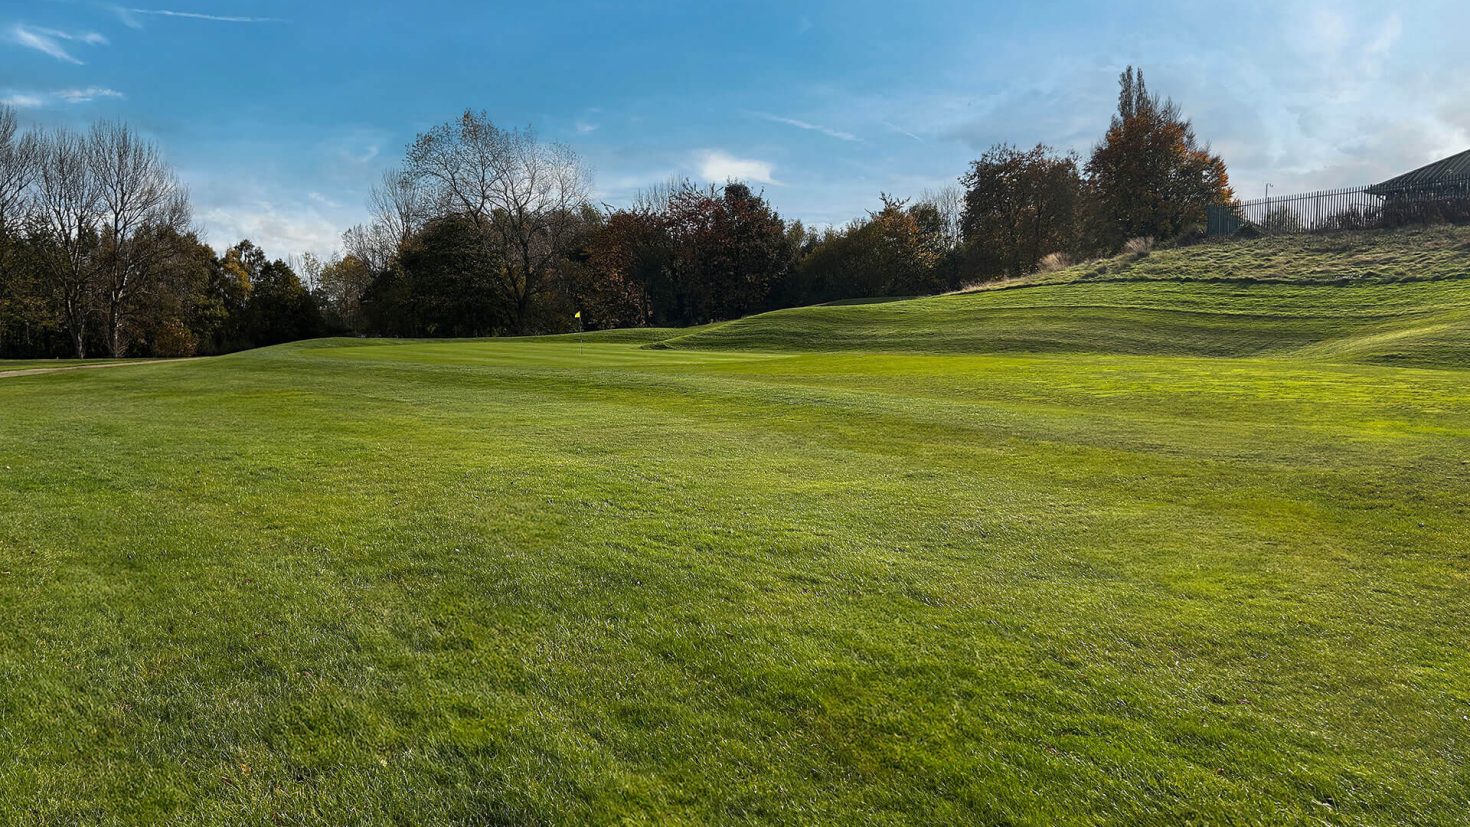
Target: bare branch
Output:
[
  {"x": 142, "y": 208},
  {"x": 523, "y": 197}
]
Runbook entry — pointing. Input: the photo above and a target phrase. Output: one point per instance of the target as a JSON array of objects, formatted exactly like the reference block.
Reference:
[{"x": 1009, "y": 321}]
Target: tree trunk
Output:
[
  {"x": 76, "y": 325},
  {"x": 114, "y": 331}
]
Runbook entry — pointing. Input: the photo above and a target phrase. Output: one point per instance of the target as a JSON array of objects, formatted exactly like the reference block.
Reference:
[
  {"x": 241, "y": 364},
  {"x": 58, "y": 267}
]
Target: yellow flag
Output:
[{"x": 578, "y": 316}]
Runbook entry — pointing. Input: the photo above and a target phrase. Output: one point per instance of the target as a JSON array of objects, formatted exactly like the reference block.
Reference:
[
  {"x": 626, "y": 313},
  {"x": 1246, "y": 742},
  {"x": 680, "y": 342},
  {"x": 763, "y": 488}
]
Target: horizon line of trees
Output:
[
  {"x": 486, "y": 231},
  {"x": 98, "y": 255}
]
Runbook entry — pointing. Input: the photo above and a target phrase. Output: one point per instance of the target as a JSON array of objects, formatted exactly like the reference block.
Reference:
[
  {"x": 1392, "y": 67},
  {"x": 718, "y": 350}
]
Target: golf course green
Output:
[{"x": 1174, "y": 539}]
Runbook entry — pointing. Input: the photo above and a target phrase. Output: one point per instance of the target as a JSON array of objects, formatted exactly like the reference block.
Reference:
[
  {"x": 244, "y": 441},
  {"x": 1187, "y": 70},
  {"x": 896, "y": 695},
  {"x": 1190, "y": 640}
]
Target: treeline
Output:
[
  {"x": 1148, "y": 179},
  {"x": 485, "y": 231},
  {"x": 98, "y": 257}
]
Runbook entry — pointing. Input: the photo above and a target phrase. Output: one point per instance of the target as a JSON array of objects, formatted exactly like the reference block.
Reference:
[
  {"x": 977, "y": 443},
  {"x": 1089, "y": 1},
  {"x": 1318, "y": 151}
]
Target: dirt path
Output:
[{"x": 6, "y": 374}]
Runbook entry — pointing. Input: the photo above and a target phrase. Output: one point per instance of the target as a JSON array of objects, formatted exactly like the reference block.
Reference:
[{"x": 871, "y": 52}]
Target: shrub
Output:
[
  {"x": 174, "y": 338},
  {"x": 1053, "y": 262},
  {"x": 1139, "y": 247}
]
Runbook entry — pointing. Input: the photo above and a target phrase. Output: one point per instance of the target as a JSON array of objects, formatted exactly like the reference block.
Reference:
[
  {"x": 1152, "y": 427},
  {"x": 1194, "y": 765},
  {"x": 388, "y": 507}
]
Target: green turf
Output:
[
  {"x": 1392, "y": 297},
  {"x": 550, "y": 581},
  {"x": 35, "y": 364},
  {"x": 1332, "y": 258}
]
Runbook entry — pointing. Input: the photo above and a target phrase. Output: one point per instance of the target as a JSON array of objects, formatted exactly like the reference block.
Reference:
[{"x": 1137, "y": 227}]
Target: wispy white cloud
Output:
[
  {"x": 53, "y": 42},
  {"x": 189, "y": 15},
  {"x": 586, "y": 127},
  {"x": 807, "y": 125},
  {"x": 37, "y": 100},
  {"x": 718, "y": 166},
  {"x": 1304, "y": 124},
  {"x": 88, "y": 94},
  {"x": 279, "y": 230},
  {"x": 355, "y": 148},
  {"x": 1387, "y": 38},
  {"x": 22, "y": 101}
]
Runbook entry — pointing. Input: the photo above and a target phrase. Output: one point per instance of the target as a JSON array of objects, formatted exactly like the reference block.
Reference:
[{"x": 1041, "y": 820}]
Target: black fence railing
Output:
[{"x": 1350, "y": 208}]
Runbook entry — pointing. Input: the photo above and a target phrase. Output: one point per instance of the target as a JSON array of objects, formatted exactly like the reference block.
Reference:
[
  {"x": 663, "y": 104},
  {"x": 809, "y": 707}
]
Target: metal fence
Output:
[{"x": 1350, "y": 208}]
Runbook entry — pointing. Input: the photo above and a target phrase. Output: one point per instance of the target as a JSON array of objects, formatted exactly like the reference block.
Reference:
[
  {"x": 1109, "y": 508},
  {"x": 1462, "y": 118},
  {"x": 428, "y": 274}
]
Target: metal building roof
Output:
[{"x": 1455, "y": 167}]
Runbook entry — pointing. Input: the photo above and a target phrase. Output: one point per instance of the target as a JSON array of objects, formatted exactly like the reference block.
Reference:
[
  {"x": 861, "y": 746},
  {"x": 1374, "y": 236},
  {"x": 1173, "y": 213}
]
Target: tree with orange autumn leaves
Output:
[{"x": 1150, "y": 176}]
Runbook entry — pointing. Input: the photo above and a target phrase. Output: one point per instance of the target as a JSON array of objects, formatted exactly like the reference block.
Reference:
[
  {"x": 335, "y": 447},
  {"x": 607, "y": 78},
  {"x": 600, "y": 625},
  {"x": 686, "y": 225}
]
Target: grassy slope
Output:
[
  {"x": 538, "y": 581},
  {"x": 1387, "y": 297}
]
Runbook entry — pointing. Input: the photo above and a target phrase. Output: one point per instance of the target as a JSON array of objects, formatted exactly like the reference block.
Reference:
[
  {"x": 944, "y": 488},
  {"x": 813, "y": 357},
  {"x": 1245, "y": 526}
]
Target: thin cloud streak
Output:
[
  {"x": 807, "y": 125},
  {"x": 900, "y": 130},
  {"x": 214, "y": 18},
  {"x": 38, "y": 100},
  {"x": 88, "y": 94},
  {"x": 50, "y": 41}
]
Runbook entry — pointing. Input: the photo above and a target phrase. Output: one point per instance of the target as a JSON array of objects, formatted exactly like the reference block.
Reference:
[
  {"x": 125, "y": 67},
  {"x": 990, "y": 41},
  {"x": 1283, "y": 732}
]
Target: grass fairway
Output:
[{"x": 758, "y": 581}]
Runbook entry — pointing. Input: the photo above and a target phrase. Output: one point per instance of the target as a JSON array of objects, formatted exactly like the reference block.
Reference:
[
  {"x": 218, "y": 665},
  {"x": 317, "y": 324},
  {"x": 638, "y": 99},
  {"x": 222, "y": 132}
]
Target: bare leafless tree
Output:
[
  {"x": 17, "y": 172},
  {"x": 69, "y": 207},
  {"x": 368, "y": 243},
  {"x": 950, "y": 203},
  {"x": 656, "y": 198},
  {"x": 143, "y": 208},
  {"x": 523, "y": 197},
  {"x": 18, "y": 162},
  {"x": 400, "y": 206}
]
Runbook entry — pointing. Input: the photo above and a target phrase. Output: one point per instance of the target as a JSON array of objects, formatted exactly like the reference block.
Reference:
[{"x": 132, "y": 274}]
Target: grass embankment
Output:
[
  {"x": 544, "y": 582},
  {"x": 1382, "y": 297}
]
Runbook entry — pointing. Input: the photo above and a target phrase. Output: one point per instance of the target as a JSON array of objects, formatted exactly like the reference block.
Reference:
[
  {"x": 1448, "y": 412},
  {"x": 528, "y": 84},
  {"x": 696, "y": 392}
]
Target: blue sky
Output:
[{"x": 280, "y": 115}]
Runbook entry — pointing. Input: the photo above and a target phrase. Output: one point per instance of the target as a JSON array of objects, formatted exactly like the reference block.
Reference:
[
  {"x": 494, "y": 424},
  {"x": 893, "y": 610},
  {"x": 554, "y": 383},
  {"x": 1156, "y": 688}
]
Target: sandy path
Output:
[{"x": 6, "y": 374}]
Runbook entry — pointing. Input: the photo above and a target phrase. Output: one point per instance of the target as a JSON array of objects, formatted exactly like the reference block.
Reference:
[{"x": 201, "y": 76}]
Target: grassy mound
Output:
[
  {"x": 1398, "y": 297},
  {"x": 1334, "y": 258}
]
